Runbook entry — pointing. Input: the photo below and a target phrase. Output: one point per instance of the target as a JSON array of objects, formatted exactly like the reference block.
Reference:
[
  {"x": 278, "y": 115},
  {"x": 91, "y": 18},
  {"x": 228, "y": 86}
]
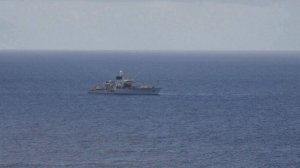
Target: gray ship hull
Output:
[{"x": 127, "y": 91}]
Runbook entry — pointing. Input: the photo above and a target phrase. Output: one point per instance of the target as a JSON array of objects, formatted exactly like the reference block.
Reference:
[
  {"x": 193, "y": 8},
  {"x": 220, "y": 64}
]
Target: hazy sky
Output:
[{"x": 150, "y": 24}]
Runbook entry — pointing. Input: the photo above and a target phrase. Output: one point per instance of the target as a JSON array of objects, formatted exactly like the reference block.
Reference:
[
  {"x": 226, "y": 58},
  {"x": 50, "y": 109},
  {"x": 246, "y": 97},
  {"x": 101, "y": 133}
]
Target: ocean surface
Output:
[{"x": 216, "y": 110}]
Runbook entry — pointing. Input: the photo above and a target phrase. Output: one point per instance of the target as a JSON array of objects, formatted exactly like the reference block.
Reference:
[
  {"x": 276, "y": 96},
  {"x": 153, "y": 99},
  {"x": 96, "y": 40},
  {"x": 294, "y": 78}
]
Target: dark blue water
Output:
[{"x": 215, "y": 110}]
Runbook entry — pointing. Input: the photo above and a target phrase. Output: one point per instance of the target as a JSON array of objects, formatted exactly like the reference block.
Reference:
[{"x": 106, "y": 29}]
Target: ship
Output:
[{"x": 122, "y": 85}]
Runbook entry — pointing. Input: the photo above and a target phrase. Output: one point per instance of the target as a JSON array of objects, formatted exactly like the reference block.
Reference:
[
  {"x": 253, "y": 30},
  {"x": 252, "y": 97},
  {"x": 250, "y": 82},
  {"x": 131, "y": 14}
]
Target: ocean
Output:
[{"x": 215, "y": 110}]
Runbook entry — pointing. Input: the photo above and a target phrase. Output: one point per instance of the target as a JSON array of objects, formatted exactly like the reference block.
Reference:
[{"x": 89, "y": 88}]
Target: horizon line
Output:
[{"x": 149, "y": 51}]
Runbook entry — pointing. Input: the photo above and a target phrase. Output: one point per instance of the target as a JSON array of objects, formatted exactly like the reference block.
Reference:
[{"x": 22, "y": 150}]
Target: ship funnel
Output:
[{"x": 120, "y": 75}]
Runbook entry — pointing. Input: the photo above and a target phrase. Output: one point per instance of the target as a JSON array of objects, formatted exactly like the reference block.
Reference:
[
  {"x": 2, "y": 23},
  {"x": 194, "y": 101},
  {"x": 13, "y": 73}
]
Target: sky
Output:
[{"x": 201, "y": 25}]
